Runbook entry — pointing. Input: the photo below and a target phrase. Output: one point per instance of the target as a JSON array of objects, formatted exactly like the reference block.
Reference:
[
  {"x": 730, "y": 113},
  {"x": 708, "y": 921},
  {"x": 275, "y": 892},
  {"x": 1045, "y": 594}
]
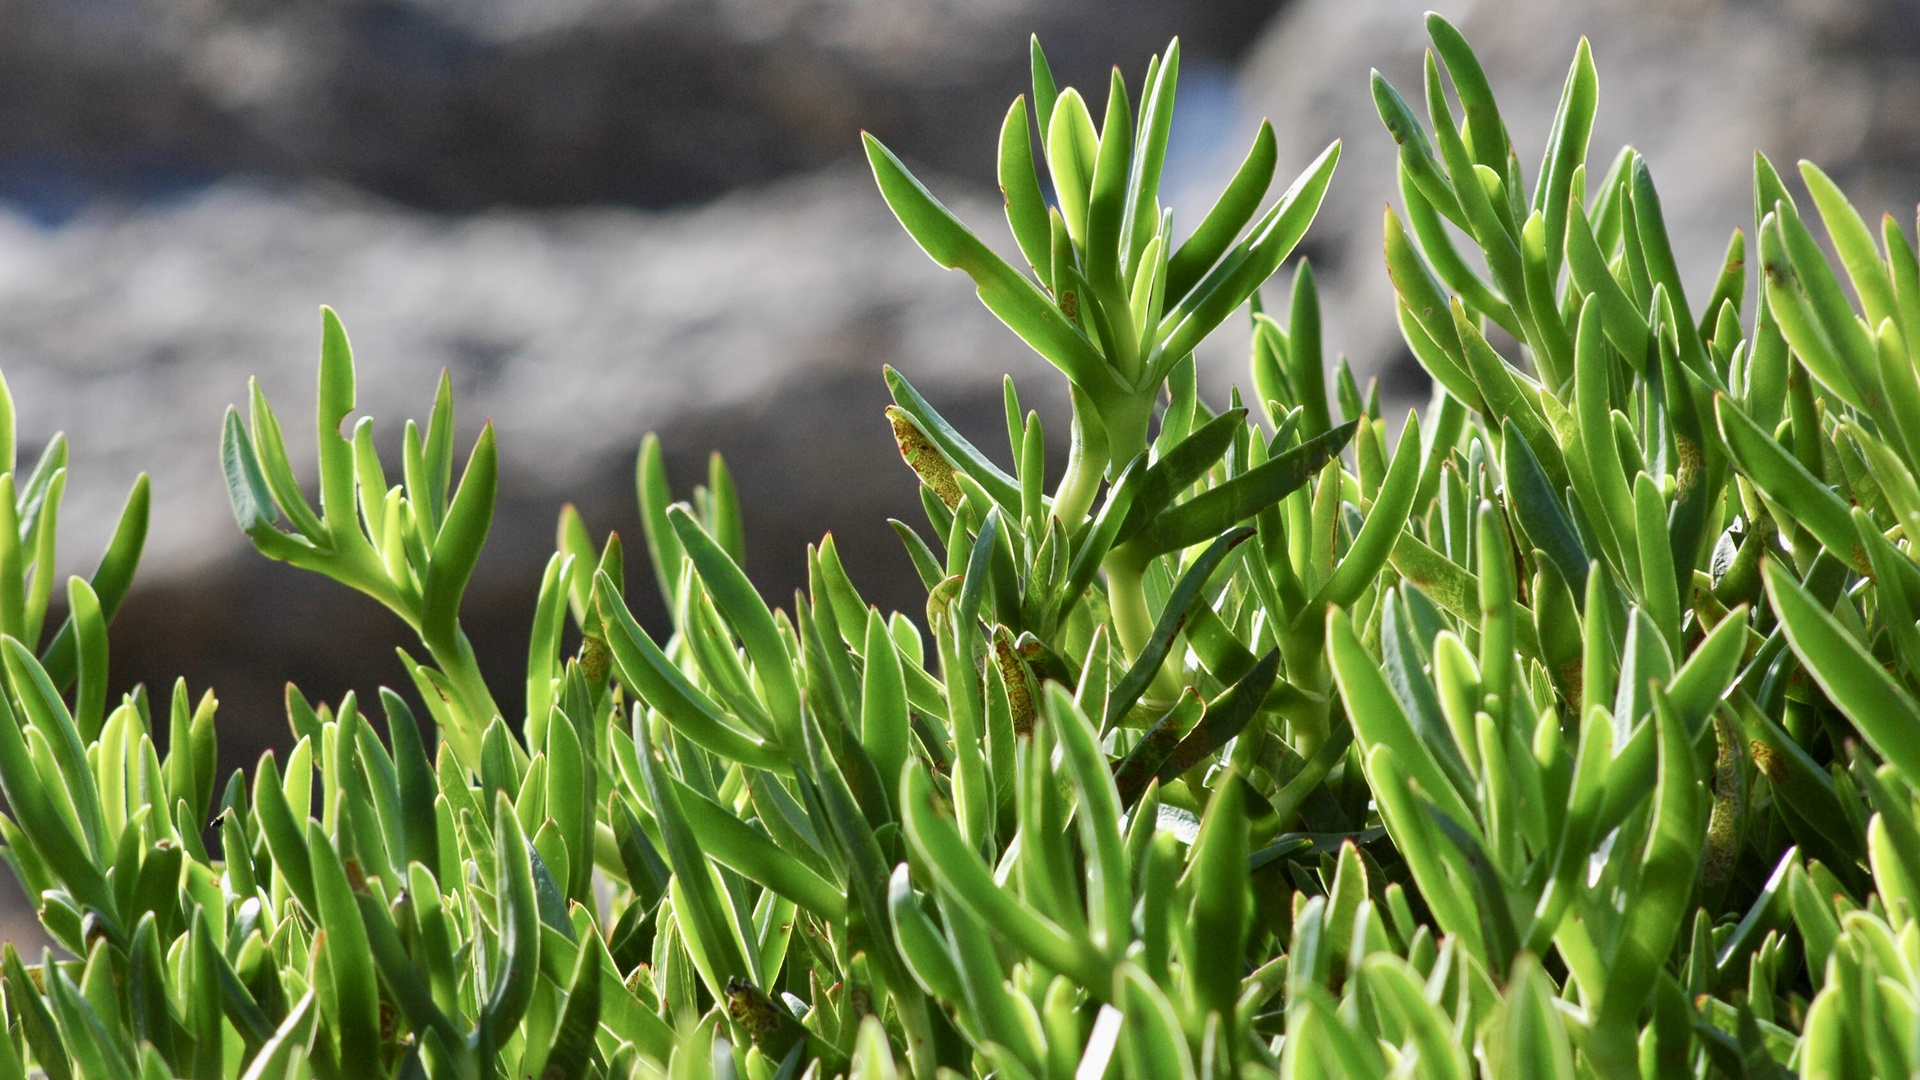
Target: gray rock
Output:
[
  {"x": 756, "y": 326},
  {"x": 465, "y": 104},
  {"x": 575, "y": 331}
]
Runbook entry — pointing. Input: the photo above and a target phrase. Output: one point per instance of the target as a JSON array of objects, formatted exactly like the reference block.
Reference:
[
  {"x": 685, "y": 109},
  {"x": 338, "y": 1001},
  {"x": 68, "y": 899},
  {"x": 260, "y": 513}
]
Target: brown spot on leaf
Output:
[{"x": 923, "y": 458}]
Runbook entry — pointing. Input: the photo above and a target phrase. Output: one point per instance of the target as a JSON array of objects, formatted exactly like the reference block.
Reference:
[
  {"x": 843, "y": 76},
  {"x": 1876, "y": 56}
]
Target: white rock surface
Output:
[{"x": 575, "y": 331}]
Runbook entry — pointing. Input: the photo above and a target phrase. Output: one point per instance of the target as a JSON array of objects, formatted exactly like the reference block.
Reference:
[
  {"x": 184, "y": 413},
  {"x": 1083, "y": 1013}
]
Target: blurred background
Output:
[{"x": 609, "y": 217}]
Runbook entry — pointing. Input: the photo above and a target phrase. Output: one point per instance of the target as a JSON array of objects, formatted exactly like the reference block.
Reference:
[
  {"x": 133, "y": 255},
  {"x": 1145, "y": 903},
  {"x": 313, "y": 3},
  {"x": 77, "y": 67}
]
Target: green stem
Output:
[
  {"x": 1126, "y": 422},
  {"x": 1086, "y": 463},
  {"x": 912, "y": 1006},
  {"x": 1127, "y": 596},
  {"x": 473, "y": 706},
  {"x": 1132, "y": 619},
  {"x": 1290, "y": 797},
  {"x": 1305, "y": 654}
]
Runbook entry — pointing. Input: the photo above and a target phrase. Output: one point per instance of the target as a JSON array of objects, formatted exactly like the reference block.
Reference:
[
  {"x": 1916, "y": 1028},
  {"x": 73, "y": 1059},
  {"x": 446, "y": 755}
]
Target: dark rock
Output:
[{"x": 454, "y": 105}]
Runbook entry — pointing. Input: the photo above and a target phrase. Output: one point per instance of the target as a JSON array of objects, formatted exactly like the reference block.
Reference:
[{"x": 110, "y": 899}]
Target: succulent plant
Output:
[{"x": 1564, "y": 733}]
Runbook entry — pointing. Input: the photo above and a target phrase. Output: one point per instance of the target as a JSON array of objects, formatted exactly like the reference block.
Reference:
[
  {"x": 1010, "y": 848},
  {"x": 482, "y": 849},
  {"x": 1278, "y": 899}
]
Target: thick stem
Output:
[
  {"x": 1077, "y": 489},
  {"x": 1132, "y": 619},
  {"x": 1127, "y": 597},
  {"x": 1307, "y": 654},
  {"x": 921, "y": 1059},
  {"x": 1086, "y": 463},
  {"x": 1126, "y": 424},
  {"x": 473, "y": 706},
  {"x": 472, "y": 703}
]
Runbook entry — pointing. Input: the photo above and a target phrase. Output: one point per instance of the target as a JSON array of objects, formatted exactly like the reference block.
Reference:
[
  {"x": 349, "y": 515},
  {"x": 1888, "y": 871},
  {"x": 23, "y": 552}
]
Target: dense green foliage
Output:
[{"x": 1571, "y": 733}]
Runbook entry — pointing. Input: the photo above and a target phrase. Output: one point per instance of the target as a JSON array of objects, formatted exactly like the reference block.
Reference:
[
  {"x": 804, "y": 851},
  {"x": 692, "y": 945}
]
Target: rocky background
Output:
[
  {"x": 606, "y": 217},
  {"x": 603, "y": 217}
]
